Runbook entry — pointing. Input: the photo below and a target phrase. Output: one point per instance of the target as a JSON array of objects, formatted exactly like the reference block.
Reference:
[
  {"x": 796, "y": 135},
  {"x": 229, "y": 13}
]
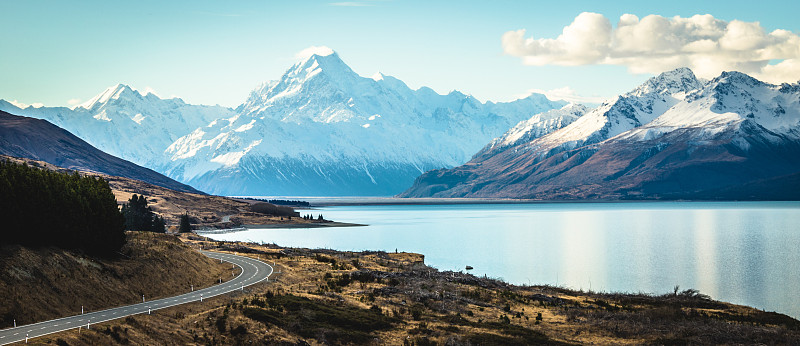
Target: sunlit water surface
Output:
[{"x": 741, "y": 252}]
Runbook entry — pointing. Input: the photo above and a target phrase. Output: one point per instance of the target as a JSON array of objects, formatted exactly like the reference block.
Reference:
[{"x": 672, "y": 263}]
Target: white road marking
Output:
[{"x": 227, "y": 287}]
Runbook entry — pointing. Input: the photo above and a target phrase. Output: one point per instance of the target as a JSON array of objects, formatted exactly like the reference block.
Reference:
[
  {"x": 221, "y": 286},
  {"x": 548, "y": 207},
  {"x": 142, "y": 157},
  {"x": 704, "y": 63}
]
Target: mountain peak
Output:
[
  {"x": 112, "y": 92},
  {"x": 679, "y": 80},
  {"x": 736, "y": 77},
  {"x": 321, "y": 61}
]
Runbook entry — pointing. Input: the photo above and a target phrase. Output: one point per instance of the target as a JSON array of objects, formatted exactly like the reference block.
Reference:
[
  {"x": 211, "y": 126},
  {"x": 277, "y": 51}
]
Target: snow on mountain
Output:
[
  {"x": 672, "y": 137},
  {"x": 623, "y": 113},
  {"x": 38, "y": 139},
  {"x": 726, "y": 103},
  {"x": 323, "y": 129},
  {"x": 124, "y": 123},
  {"x": 537, "y": 126}
]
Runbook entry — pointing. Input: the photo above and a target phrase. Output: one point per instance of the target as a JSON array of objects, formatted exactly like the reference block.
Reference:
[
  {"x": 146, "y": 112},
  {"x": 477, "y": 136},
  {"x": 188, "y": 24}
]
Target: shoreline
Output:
[
  {"x": 436, "y": 304},
  {"x": 331, "y": 201},
  {"x": 278, "y": 226}
]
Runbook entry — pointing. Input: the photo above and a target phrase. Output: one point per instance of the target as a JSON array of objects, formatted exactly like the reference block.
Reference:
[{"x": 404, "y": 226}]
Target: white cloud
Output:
[
  {"x": 318, "y": 50},
  {"x": 654, "y": 44},
  {"x": 566, "y": 94}
]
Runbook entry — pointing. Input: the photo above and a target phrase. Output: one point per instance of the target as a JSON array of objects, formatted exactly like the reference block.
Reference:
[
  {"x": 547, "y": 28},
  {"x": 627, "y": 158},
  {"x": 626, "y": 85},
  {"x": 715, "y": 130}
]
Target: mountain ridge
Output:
[
  {"x": 730, "y": 131},
  {"x": 323, "y": 129},
  {"x": 320, "y": 129},
  {"x": 39, "y": 139}
]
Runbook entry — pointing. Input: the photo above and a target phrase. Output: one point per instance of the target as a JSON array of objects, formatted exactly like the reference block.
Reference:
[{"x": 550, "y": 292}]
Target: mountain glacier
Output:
[
  {"x": 675, "y": 136},
  {"x": 321, "y": 129}
]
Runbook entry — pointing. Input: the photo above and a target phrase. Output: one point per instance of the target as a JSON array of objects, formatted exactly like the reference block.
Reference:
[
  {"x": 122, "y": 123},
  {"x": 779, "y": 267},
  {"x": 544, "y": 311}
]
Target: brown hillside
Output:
[{"x": 47, "y": 283}]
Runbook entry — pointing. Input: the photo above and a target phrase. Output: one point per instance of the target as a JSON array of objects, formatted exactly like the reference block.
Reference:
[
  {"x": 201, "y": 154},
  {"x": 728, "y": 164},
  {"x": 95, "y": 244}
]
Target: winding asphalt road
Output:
[{"x": 252, "y": 272}]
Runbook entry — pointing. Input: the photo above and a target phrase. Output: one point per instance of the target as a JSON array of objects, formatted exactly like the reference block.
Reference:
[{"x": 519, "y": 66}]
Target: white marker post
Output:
[
  {"x": 201, "y": 297},
  {"x": 192, "y": 288},
  {"x": 142, "y": 298},
  {"x": 81, "y": 309},
  {"x": 15, "y": 323},
  {"x": 148, "y": 311},
  {"x": 26, "y": 338}
]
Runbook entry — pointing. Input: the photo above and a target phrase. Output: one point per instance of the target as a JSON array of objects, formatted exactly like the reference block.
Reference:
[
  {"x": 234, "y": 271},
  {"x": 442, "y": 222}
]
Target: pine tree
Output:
[
  {"x": 140, "y": 217},
  {"x": 185, "y": 225},
  {"x": 41, "y": 207}
]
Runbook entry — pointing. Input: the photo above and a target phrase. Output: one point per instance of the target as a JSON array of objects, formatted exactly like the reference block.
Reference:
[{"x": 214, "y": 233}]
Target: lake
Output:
[{"x": 740, "y": 252}]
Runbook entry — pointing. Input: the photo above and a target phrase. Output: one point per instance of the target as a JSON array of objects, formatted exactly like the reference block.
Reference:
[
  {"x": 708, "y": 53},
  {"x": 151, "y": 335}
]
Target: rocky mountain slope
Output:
[
  {"x": 672, "y": 137},
  {"x": 40, "y": 140},
  {"x": 321, "y": 129}
]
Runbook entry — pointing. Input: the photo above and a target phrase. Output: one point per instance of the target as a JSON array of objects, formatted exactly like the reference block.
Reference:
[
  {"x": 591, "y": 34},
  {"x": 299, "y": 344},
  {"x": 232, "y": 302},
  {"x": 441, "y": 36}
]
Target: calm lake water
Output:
[{"x": 740, "y": 252}]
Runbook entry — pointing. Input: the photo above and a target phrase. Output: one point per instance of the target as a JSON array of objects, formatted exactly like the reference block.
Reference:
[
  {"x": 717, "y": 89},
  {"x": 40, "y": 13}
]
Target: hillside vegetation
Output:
[
  {"x": 330, "y": 297},
  {"x": 44, "y": 283},
  {"x": 41, "y": 207}
]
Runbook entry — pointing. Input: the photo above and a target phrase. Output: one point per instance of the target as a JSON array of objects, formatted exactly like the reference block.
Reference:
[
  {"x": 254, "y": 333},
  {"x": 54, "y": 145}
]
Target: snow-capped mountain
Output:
[
  {"x": 322, "y": 129},
  {"x": 535, "y": 127},
  {"x": 674, "y": 136},
  {"x": 124, "y": 123},
  {"x": 38, "y": 139},
  {"x": 623, "y": 113}
]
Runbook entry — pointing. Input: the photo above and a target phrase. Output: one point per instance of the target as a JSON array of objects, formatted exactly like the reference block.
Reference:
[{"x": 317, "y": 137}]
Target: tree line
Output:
[
  {"x": 140, "y": 217},
  {"x": 41, "y": 207}
]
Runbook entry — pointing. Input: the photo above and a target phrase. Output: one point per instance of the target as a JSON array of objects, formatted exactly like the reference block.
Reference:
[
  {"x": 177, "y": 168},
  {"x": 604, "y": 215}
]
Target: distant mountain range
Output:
[
  {"x": 673, "y": 137},
  {"x": 321, "y": 129},
  {"x": 40, "y": 140}
]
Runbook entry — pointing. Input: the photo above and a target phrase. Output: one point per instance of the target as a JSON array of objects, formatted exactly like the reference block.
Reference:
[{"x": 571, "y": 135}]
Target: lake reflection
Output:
[{"x": 742, "y": 252}]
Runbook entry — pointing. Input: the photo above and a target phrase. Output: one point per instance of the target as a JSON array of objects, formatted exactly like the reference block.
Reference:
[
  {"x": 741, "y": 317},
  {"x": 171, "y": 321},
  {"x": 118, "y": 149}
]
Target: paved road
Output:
[{"x": 252, "y": 271}]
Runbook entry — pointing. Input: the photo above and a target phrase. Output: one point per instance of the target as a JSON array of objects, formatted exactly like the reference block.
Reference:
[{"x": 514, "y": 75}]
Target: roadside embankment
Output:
[{"x": 39, "y": 284}]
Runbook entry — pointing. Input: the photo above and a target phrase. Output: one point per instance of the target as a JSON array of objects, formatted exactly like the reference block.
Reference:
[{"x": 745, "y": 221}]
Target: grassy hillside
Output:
[
  {"x": 331, "y": 297},
  {"x": 45, "y": 283}
]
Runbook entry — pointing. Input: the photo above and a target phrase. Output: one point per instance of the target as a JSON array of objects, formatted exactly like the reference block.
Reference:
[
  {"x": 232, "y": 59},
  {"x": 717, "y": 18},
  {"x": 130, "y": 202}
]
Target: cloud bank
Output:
[{"x": 655, "y": 44}]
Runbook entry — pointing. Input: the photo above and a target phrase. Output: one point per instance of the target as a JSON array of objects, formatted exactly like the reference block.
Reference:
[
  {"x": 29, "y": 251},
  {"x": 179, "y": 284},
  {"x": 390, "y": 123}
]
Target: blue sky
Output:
[{"x": 216, "y": 52}]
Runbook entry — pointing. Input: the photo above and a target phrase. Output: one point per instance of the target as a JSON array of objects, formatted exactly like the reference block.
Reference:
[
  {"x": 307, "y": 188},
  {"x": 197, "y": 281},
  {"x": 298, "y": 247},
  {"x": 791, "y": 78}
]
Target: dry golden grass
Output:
[
  {"x": 46, "y": 283},
  {"x": 400, "y": 301}
]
